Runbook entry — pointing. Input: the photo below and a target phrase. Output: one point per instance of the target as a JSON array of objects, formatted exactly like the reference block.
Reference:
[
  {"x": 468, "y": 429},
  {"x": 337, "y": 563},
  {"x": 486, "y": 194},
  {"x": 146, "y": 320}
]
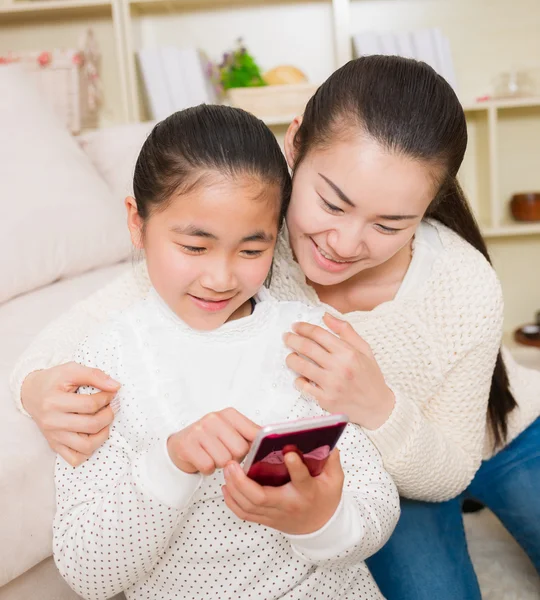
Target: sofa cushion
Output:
[
  {"x": 27, "y": 501},
  {"x": 114, "y": 151},
  {"x": 59, "y": 218}
]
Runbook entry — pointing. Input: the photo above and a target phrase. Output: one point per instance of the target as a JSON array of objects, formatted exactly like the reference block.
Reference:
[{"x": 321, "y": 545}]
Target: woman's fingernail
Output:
[{"x": 110, "y": 381}]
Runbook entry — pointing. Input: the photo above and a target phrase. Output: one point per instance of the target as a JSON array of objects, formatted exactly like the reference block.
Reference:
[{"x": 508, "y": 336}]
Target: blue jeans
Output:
[{"x": 427, "y": 558}]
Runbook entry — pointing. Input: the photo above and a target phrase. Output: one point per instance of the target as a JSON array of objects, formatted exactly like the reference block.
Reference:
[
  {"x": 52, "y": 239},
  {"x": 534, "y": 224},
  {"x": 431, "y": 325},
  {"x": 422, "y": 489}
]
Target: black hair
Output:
[
  {"x": 406, "y": 107},
  {"x": 183, "y": 149}
]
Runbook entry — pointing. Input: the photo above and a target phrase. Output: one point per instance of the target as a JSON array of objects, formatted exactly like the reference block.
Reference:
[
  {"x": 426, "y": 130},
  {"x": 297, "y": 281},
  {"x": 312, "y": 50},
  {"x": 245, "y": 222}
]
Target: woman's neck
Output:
[{"x": 367, "y": 289}]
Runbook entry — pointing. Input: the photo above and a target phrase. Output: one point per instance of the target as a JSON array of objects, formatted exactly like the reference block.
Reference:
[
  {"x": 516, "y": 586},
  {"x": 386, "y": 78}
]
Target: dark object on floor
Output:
[
  {"x": 471, "y": 506},
  {"x": 529, "y": 334}
]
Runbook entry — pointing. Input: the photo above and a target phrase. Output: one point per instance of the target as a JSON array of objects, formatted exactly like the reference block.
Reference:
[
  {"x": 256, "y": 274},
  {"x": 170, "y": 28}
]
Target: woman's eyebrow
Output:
[
  {"x": 341, "y": 195},
  {"x": 396, "y": 217}
]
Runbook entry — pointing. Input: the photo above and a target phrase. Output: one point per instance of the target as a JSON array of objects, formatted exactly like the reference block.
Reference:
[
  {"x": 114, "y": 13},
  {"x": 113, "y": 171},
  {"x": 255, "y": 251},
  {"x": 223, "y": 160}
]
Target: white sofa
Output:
[{"x": 26, "y": 462}]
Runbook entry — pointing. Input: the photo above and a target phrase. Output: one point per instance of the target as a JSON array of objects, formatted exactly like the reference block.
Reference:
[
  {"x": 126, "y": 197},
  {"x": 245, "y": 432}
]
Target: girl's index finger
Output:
[{"x": 245, "y": 427}]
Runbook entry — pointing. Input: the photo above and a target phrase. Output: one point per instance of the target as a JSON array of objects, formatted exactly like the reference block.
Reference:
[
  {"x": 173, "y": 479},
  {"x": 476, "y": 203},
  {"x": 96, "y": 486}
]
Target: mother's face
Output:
[{"x": 354, "y": 206}]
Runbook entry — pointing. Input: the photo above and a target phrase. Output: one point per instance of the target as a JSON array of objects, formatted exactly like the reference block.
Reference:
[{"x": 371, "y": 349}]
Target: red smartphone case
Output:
[{"x": 313, "y": 446}]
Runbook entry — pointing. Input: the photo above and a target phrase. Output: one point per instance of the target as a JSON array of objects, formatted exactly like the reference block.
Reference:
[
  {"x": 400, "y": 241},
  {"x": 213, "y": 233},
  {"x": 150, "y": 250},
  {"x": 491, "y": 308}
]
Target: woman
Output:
[{"x": 378, "y": 230}]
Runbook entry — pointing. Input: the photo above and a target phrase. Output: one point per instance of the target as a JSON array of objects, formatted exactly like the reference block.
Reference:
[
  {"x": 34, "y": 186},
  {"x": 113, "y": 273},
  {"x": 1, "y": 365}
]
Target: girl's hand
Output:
[
  {"x": 302, "y": 506},
  {"x": 212, "y": 442},
  {"x": 344, "y": 375},
  {"x": 74, "y": 425}
]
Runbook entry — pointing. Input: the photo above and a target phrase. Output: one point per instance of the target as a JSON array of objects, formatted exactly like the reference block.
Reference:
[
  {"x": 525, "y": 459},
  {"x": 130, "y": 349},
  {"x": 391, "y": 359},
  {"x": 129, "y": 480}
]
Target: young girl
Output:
[
  {"x": 163, "y": 509},
  {"x": 379, "y": 230}
]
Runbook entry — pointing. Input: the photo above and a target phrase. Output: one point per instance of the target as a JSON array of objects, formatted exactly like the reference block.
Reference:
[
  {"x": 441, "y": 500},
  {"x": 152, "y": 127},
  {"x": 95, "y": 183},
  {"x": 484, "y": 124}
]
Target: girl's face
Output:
[
  {"x": 353, "y": 207},
  {"x": 209, "y": 251}
]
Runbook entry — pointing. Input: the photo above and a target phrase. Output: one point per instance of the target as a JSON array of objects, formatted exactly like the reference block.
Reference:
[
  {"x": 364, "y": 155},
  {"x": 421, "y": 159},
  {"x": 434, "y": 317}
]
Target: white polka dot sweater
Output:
[
  {"x": 128, "y": 519},
  {"x": 436, "y": 346}
]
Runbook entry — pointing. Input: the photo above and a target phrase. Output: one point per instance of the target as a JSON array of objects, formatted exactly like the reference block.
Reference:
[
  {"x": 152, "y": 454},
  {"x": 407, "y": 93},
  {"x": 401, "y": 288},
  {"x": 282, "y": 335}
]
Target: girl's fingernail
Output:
[{"x": 110, "y": 381}]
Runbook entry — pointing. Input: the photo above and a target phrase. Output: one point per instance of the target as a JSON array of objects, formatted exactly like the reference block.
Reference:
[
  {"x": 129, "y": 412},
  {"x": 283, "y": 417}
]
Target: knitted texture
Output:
[{"x": 436, "y": 347}]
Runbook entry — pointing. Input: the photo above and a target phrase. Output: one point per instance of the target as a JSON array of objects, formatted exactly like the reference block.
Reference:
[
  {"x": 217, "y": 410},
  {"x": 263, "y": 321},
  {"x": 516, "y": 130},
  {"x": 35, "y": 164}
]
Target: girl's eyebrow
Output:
[{"x": 193, "y": 230}]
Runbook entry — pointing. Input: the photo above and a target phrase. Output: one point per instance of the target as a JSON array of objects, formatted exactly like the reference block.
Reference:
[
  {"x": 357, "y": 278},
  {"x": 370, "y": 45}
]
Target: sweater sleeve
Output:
[
  {"x": 117, "y": 512},
  {"x": 57, "y": 343},
  {"x": 433, "y": 449},
  {"x": 367, "y": 514}
]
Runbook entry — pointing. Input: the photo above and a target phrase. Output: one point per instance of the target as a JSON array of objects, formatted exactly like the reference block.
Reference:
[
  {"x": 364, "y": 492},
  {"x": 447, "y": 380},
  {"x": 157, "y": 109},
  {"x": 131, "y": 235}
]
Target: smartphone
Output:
[{"x": 312, "y": 439}]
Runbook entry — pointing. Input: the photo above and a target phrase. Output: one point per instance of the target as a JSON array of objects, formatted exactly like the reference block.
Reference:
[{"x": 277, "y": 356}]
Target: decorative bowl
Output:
[{"x": 526, "y": 206}]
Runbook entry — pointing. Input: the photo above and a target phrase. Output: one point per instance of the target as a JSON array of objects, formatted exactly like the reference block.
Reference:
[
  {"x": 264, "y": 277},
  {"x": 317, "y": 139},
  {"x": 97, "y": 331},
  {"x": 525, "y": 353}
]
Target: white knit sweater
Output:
[
  {"x": 128, "y": 519},
  {"x": 436, "y": 345}
]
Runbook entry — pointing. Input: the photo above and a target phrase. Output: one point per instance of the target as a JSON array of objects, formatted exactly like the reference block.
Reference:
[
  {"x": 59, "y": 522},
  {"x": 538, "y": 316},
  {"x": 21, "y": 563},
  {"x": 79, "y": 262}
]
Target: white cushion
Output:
[
  {"x": 58, "y": 217},
  {"x": 114, "y": 151}
]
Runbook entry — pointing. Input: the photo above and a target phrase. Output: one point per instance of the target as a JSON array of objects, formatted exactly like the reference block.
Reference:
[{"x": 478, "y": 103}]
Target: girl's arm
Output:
[
  {"x": 115, "y": 516},
  {"x": 116, "y": 513},
  {"x": 368, "y": 512}
]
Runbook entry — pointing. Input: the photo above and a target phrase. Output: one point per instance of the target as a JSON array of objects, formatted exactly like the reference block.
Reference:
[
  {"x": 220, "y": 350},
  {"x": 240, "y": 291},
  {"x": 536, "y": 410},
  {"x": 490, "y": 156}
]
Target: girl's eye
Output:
[
  {"x": 331, "y": 207},
  {"x": 252, "y": 253},
  {"x": 193, "y": 249},
  {"x": 387, "y": 230}
]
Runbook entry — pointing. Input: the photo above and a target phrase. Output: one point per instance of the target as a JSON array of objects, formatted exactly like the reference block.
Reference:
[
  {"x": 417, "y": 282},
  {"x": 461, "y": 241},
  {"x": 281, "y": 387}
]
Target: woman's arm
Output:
[
  {"x": 44, "y": 382},
  {"x": 57, "y": 343},
  {"x": 432, "y": 451}
]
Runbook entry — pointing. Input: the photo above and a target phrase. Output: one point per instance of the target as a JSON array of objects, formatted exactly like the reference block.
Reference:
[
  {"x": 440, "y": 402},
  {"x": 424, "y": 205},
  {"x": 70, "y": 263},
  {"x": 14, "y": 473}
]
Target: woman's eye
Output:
[
  {"x": 384, "y": 229},
  {"x": 193, "y": 249},
  {"x": 331, "y": 207},
  {"x": 252, "y": 253}
]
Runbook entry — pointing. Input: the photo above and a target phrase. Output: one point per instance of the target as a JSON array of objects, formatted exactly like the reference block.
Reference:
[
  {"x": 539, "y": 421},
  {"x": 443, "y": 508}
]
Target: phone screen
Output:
[{"x": 312, "y": 445}]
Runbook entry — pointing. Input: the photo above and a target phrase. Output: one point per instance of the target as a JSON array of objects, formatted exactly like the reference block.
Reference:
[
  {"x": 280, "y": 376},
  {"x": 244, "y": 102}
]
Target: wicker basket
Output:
[
  {"x": 273, "y": 101},
  {"x": 68, "y": 82}
]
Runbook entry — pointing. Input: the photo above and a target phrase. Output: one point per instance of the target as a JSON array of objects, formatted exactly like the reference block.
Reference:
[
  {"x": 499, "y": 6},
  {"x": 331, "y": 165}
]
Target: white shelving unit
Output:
[{"x": 315, "y": 35}]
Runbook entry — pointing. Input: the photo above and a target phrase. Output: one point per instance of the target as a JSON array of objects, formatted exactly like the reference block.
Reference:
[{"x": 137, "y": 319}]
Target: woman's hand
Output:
[
  {"x": 213, "y": 441},
  {"x": 302, "y": 506},
  {"x": 74, "y": 425},
  {"x": 341, "y": 374}
]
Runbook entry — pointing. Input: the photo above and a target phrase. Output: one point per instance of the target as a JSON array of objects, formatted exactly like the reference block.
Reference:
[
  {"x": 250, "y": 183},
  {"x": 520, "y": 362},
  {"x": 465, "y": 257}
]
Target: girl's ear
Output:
[
  {"x": 134, "y": 222},
  {"x": 290, "y": 150}
]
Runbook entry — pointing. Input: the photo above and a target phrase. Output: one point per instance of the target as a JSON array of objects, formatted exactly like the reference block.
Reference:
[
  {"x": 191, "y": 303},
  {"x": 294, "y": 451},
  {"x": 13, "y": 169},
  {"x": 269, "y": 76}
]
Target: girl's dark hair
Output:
[
  {"x": 182, "y": 151},
  {"x": 406, "y": 107}
]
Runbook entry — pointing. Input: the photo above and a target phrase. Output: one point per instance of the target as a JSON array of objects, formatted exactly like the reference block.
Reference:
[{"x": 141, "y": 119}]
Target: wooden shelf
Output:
[
  {"x": 153, "y": 6},
  {"x": 512, "y": 230},
  {"x": 502, "y": 104},
  {"x": 277, "y": 121},
  {"x": 20, "y": 11}
]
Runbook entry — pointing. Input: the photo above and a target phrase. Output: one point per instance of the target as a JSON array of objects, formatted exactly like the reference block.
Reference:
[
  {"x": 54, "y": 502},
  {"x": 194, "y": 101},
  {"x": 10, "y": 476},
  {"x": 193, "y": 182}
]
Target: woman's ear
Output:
[
  {"x": 290, "y": 150},
  {"x": 134, "y": 222}
]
